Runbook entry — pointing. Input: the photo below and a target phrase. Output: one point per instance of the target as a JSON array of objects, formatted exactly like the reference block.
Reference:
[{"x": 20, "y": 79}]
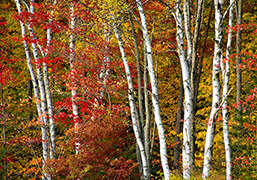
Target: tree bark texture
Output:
[
  {"x": 187, "y": 91},
  {"x": 218, "y": 5},
  {"x": 155, "y": 99},
  {"x": 146, "y": 173},
  {"x": 225, "y": 75},
  {"x": 42, "y": 119},
  {"x": 75, "y": 110}
]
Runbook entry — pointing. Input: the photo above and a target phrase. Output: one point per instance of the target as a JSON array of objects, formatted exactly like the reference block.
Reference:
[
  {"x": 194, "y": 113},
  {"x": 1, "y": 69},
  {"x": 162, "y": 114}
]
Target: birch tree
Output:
[
  {"x": 39, "y": 102},
  {"x": 46, "y": 94},
  {"x": 218, "y": 5},
  {"x": 187, "y": 91},
  {"x": 140, "y": 102},
  {"x": 189, "y": 69},
  {"x": 105, "y": 68},
  {"x": 41, "y": 86},
  {"x": 143, "y": 98},
  {"x": 225, "y": 66},
  {"x": 194, "y": 77},
  {"x": 146, "y": 173},
  {"x": 155, "y": 98},
  {"x": 75, "y": 110}
]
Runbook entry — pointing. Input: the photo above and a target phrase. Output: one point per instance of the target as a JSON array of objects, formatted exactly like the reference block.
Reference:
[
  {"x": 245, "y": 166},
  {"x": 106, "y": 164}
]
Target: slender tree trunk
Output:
[
  {"x": 139, "y": 75},
  {"x": 238, "y": 60},
  {"x": 218, "y": 4},
  {"x": 225, "y": 76},
  {"x": 187, "y": 91},
  {"x": 194, "y": 88},
  {"x": 140, "y": 88},
  {"x": 41, "y": 88},
  {"x": 140, "y": 92},
  {"x": 50, "y": 111},
  {"x": 187, "y": 22},
  {"x": 48, "y": 94},
  {"x": 155, "y": 98},
  {"x": 147, "y": 115},
  {"x": 75, "y": 110},
  {"x": 36, "y": 93},
  {"x": 177, "y": 147},
  {"x": 47, "y": 89},
  {"x": 146, "y": 174},
  {"x": 106, "y": 63}
]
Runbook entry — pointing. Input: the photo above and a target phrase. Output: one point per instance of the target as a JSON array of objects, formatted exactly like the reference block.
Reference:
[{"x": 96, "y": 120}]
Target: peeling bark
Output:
[
  {"x": 187, "y": 91},
  {"x": 155, "y": 98},
  {"x": 218, "y": 5},
  {"x": 75, "y": 110},
  {"x": 41, "y": 110},
  {"x": 225, "y": 76}
]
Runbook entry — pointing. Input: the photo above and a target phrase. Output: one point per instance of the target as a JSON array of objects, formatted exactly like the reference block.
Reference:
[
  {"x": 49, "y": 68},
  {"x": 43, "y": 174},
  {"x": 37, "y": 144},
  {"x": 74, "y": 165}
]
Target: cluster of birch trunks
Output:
[{"x": 190, "y": 65}]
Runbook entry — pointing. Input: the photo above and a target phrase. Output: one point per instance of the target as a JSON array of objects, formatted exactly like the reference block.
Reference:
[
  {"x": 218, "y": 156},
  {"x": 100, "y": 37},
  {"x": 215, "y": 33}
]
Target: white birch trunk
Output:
[
  {"x": 48, "y": 95},
  {"x": 104, "y": 69},
  {"x": 187, "y": 90},
  {"x": 193, "y": 79},
  {"x": 50, "y": 111},
  {"x": 72, "y": 62},
  {"x": 45, "y": 139},
  {"x": 225, "y": 75},
  {"x": 146, "y": 174},
  {"x": 47, "y": 87},
  {"x": 218, "y": 5},
  {"x": 36, "y": 92},
  {"x": 107, "y": 60},
  {"x": 155, "y": 99},
  {"x": 188, "y": 33}
]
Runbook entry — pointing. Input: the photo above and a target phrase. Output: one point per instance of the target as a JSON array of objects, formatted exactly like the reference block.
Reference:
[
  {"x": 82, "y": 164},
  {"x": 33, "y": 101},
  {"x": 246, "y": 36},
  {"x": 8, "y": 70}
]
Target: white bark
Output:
[
  {"x": 48, "y": 95},
  {"x": 36, "y": 92},
  {"x": 155, "y": 99},
  {"x": 50, "y": 111},
  {"x": 72, "y": 68},
  {"x": 42, "y": 90},
  {"x": 105, "y": 67},
  {"x": 225, "y": 75},
  {"x": 194, "y": 77},
  {"x": 146, "y": 174},
  {"x": 46, "y": 84},
  {"x": 187, "y": 91},
  {"x": 188, "y": 33},
  {"x": 218, "y": 5}
]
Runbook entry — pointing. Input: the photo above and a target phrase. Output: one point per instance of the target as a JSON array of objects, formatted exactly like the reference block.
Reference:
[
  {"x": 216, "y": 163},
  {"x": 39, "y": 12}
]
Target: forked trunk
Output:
[
  {"x": 218, "y": 5},
  {"x": 155, "y": 98},
  {"x": 187, "y": 91},
  {"x": 225, "y": 76},
  {"x": 132, "y": 103}
]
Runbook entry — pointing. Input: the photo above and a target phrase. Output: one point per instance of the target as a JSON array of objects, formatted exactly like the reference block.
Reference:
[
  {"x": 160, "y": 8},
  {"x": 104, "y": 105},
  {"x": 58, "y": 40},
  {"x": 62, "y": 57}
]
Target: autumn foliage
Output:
[{"x": 107, "y": 147}]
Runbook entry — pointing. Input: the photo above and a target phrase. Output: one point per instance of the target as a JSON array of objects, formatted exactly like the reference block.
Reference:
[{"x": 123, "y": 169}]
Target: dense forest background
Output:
[{"x": 78, "y": 98}]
